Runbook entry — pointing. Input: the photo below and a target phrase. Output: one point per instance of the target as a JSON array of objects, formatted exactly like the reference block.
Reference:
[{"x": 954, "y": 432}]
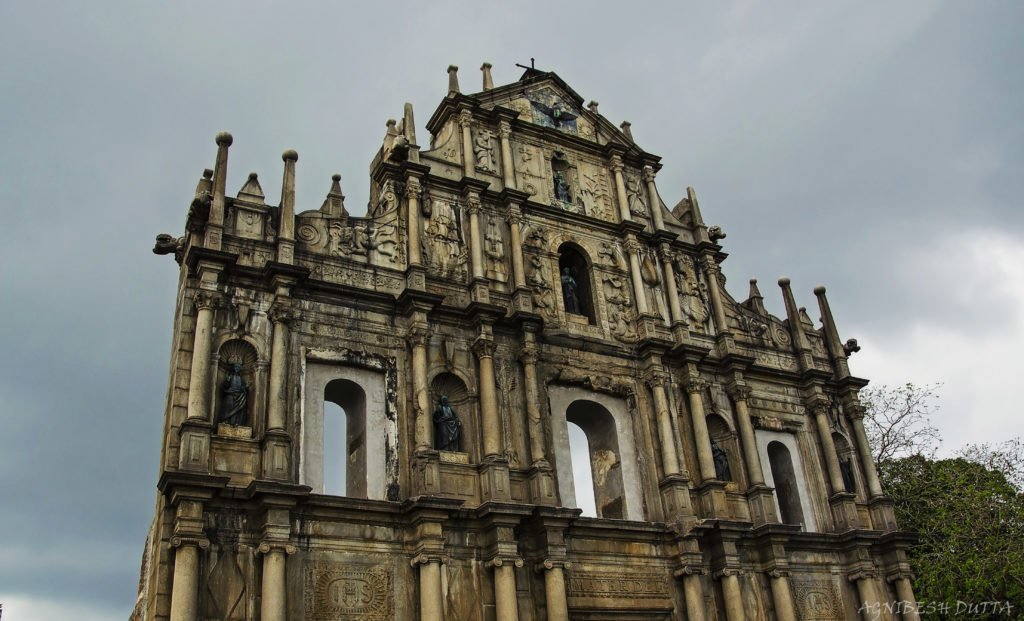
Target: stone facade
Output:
[{"x": 525, "y": 267}]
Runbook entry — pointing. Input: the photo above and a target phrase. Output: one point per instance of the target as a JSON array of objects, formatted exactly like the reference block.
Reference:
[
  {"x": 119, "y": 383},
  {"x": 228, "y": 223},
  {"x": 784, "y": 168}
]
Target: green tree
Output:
[{"x": 967, "y": 510}]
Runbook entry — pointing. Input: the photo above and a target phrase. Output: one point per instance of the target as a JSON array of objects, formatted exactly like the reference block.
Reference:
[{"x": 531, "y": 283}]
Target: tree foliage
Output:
[{"x": 967, "y": 510}]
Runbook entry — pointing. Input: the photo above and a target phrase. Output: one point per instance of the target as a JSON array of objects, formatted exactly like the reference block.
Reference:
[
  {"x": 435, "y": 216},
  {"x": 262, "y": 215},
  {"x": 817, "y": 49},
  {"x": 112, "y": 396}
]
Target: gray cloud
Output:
[{"x": 836, "y": 143}]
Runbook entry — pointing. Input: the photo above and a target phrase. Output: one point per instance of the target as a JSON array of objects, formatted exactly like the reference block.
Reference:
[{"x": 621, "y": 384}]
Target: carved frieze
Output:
[{"x": 349, "y": 592}]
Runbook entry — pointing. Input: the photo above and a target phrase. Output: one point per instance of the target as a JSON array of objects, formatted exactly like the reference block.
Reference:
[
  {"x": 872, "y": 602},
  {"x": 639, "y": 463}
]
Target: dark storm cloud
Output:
[{"x": 835, "y": 143}]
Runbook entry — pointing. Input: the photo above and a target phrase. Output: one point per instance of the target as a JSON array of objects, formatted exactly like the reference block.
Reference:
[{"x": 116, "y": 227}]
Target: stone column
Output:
[
  {"x": 199, "y": 395},
  {"x": 867, "y": 595},
  {"x": 286, "y": 226},
  {"x": 505, "y": 603},
  {"x": 675, "y": 311},
  {"x": 514, "y": 217},
  {"x": 632, "y": 247},
  {"x": 828, "y": 447},
  {"x": 417, "y": 338},
  {"x": 476, "y": 245},
  {"x": 693, "y": 592},
  {"x": 554, "y": 591},
  {"x": 468, "y": 157},
  {"x": 867, "y": 462},
  {"x": 483, "y": 346},
  {"x": 751, "y": 458},
  {"x": 281, "y": 315},
  {"x": 732, "y": 594},
  {"x": 652, "y": 196},
  {"x": 529, "y": 356},
  {"x": 905, "y": 597},
  {"x": 669, "y": 459},
  {"x": 274, "y": 596},
  {"x": 711, "y": 274},
  {"x": 412, "y": 196},
  {"x": 620, "y": 189},
  {"x": 507, "y": 169},
  {"x": 215, "y": 221},
  {"x": 782, "y": 596},
  {"x": 694, "y": 388},
  {"x": 185, "y": 585},
  {"x": 431, "y": 597}
]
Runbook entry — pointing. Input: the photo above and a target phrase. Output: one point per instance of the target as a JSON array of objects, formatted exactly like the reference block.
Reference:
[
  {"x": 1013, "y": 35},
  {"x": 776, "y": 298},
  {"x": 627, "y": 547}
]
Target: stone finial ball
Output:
[
  {"x": 224, "y": 139},
  {"x": 784, "y": 281},
  {"x": 336, "y": 177},
  {"x": 253, "y": 176},
  {"x": 207, "y": 173},
  {"x": 290, "y": 156},
  {"x": 486, "y": 65},
  {"x": 819, "y": 290},
  {"x": 753, "y": 281},
  {"x": 452, "y": 68}
]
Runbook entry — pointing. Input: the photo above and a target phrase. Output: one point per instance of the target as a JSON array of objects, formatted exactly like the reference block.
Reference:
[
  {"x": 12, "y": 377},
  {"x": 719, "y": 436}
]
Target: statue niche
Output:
[
  {"x": 447, "y": 426},
  {"x": 454, "y": 421},
  {"x": 234, "y": 390}
]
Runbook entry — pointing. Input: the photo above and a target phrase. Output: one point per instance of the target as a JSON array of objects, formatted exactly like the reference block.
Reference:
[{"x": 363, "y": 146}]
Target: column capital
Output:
[
  {"x": 900, "y": 574},
  {"x": 529, "y": 355},
  {"x": 656, "y": 379},
  {"x": 514, "y": 215},
  {"x": 498, "y": 561},
  {"x": 465, "y": 118},
  {"x": 648, "y": 173},
  {"x": 417, "y": 336},
  {"x": 282, "y": 312},
  {"x": 631, "y": 244},
  {"x": 689, "y": 569},
  {"x": 739, "y": 392},
  {"x": 413, "y": 188},
  {"x": 207, "y": 300},
  {"x": 779, "y": 573},
  {"x": 861, "y": 574},
  {"x": 667, "y": 254},
  {"x": 483, "y": 347},
  {"x": 179, "y": 541},
  {"x": 855, "y": 411},
  {"x": 615, "y": 163},
  {"x": 424, "y": 558},
  {"x": 551, "y": 563},
  {"x": 473, "y": 203},
  {"x": 504, "y": 129},
  {"x": 727, "y": 571},
  {"x": 266, "y": 547},
  {"x": 695, "y": 385}
]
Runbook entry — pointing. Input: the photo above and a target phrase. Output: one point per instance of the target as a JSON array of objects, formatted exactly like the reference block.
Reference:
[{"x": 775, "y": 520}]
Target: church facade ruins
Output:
[{"x": 515, "y": 283}]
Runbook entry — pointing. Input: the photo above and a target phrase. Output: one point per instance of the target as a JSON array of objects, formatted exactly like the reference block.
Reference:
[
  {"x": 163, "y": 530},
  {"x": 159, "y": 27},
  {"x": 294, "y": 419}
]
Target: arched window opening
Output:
[
  {"x": 344, "y": 439},
  {"x": 598, "y": 425},
  {"x": 845, "y": 454},
  {"x": 574, "y": 272},
  {"x": 786, "y": 491},
  {"x": 583, "y": 480}
]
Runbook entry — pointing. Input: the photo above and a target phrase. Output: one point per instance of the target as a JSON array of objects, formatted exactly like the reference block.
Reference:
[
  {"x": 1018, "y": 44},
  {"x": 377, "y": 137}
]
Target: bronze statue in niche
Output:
[
  {"x": 234, "y": 398},
  {"x": 447, "y": 427}
]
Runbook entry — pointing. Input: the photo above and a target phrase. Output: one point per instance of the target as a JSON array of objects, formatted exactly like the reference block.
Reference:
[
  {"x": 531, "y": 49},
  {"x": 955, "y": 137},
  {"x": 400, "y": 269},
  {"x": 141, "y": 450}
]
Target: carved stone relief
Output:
[
  {"x": 483, "y": 150},
  {"x": 693, "y": 296},
  {"x": 543, "y": 298},
  {"x": 635, "y": 195},
  {"x": 494, "y": 249},
  {"x": 595, "y": 191},
  {"x": 816, "y": 599},
  {"x": 443, "y": 243},
  {"x": 530, "y": 172},
  {"x": 349, "y": 592},
  {"x": 621, "y": 316}
]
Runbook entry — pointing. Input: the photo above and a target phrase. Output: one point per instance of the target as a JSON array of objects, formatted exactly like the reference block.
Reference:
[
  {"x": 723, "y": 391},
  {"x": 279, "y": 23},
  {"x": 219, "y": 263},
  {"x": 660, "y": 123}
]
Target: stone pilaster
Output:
[
  {"x": 194, "y": 434},
  {"x": 466, "y": 125},
  {"x": 657, "y": 383},
  {"x": 711, "y": 271},
  {"x": 674, "y": 309},
  {"x": 632, "y": 247},
  {"x": 694, "y": 389},
  {"x": 413, "y": 191},
  {"x": 521, "y": 299},
  {"x": 652, "y": 199},
  {"x": 417, "y": 338},
  {"x": 277, "y": 441},
  {"x": 507, "y": 166},
  {"x": 615, "y": 164}
]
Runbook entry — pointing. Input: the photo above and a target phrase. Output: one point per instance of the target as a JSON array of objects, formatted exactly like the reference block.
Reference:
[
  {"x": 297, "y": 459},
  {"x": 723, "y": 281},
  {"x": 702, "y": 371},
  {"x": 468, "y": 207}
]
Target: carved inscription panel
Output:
[
  {"x": 817, "y": 600},
  {"x": 346, "y": 592},
  {"x": 632, "y": 586}
]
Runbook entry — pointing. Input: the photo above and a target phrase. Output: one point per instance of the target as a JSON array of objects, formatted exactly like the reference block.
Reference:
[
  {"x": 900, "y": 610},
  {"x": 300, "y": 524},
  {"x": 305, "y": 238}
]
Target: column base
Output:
[
  {"x": 844, "y": 511},
  {"x": 761, "y": 504},
  {"x": 676, "y": 501},
  {"x": 276, "y": 450},
  {"x": 713, "y": 502},
  {"x": 542, "y": 484},
  {"x": 494, "y": 483},
  {"x": 194, "y": 448},
  {"x": 883, "y": 516}
]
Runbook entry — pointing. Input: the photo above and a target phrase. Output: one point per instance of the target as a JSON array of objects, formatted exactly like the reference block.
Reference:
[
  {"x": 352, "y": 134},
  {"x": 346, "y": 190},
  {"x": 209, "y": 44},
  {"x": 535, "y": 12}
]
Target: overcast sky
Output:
[{"x": 875, "y": 148}]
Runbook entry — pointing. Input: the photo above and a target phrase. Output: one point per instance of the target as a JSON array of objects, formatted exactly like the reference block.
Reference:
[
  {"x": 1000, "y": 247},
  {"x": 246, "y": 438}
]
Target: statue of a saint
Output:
[
  {"x": 569, "y": 292},
  {"x": 447, "y": 428},
  {"x": 562, "y": 188},
  {"x": 234, "y": 398},
  {"x": 722, "y": 472},
  {"x": 846, "y": 468}
]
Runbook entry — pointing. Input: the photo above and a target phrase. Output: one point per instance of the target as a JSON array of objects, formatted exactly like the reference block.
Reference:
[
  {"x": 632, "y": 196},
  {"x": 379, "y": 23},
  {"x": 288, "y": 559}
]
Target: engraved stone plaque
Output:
[
  {"x": 817, "y": 600},
  {"x": 347, "y": 592}
]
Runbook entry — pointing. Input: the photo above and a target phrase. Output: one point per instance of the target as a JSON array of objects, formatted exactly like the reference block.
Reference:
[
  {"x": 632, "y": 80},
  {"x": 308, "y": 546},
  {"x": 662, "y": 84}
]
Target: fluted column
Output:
[
  {"x": 274, "y": 596},
  {"x": 529, "y": 356},
  {"x": 417, "y": 338},
  {"x": 632, "y": 248},
  {"x": 281, "y": 315},
  {"x": 507, "y": 168},
  {"x": 693, "y": 593},
  {"x": 669, "y": 458},
  {"x": 476, "y": 244},
  {"x": 468, "y": 158},
  {"x": 828, "y": 447},
  {"x": 732, "y": 594},
  {"x": 740, "y": 393},
  {"x": 199, "y": 379},
  {"x": 652, "y": 195},
  {"x": 554, "y": 591},
  {"x": 484, "y": 349},
  {"x": 867, "y": 461},
  {"x": 867, "y": 594},
  {"x": 667, "y": 257},
  {"x": 412, "y": 196},
  {"x": 782, "y": 596},
  {"x": 505, "y": 604},
  {"x": 694, "y": 388},
  {"x": 620, "y": 189},
  {"x": 711, "y": 270},
  {"x": 185, "y": 585},
  {"x": 514, "y": 218},
  {"x": 431, "y": 596}
]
